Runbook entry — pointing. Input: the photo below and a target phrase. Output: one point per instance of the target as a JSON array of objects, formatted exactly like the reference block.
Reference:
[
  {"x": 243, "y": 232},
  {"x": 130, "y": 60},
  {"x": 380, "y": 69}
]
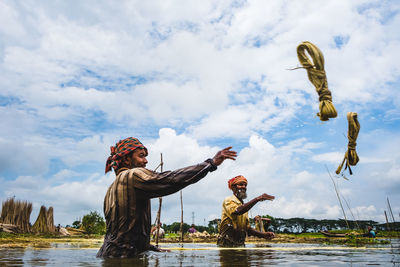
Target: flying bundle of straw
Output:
[
  {"x": 351, "y": 157},
  {"x": 317, "y": 76}
]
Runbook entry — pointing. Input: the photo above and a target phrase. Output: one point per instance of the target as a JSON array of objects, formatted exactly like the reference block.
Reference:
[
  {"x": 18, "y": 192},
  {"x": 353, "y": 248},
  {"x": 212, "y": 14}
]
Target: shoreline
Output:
[{"x": 85, "y": 241}]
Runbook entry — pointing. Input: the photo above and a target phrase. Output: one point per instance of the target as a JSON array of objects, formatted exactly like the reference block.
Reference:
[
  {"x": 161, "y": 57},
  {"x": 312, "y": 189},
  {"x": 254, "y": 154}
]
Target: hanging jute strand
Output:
[
  {"x": 317, "y": 76},
  {"x": 351, "y": 157}
]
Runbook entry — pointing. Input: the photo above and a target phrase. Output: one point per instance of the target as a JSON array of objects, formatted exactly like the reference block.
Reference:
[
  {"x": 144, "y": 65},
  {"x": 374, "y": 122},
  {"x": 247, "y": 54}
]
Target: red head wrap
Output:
[
  {"x": 122, "y": 148},
  {"x": 236, "y": 180}
]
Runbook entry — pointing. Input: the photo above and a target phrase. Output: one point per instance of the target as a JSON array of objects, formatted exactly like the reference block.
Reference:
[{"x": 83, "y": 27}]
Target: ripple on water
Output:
[{"x": 192, "y": 254}]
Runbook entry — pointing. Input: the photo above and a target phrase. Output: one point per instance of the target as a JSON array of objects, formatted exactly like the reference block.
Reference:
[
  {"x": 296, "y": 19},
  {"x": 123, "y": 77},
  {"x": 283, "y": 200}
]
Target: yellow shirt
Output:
[
  {"x": 260, "y": 226},
  {"x": 239, "y": 222}
]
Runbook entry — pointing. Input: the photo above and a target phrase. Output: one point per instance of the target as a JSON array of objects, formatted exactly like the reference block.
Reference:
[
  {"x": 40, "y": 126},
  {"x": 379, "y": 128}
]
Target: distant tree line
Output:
[
  {"x": 280, "y": 225},
  {"x": 176, "y": 226},
  {"x": 93, "y": 223},
  {"x": 302, "y": 225}
]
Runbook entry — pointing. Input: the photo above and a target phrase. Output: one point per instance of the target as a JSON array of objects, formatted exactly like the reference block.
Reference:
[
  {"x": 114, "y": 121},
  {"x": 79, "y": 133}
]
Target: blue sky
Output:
[{"x": 188, "y": 79}]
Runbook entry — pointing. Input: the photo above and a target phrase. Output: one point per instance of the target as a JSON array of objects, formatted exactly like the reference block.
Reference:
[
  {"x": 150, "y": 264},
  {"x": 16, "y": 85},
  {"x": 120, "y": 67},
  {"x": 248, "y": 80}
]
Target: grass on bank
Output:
[
  {"x": 9, "y": 240},
  {"x": 353, "y": 238}
]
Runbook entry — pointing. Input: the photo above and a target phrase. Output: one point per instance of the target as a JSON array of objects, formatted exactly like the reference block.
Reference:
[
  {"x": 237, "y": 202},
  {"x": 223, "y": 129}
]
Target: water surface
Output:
[{"x": 192, "y": 254}]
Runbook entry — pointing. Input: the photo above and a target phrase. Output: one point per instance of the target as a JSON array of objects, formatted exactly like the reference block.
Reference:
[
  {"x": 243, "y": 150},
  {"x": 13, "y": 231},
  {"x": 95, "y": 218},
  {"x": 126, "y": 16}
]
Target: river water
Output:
[{"x": 192, "y": 254}]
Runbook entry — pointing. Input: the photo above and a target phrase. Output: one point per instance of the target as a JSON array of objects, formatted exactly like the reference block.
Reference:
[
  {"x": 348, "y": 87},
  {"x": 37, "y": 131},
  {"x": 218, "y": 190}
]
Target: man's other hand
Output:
[
  {"x": 269, "y": 235},
  {"x": 224, "y": 154},
  {"x": 265, "y": 197}
]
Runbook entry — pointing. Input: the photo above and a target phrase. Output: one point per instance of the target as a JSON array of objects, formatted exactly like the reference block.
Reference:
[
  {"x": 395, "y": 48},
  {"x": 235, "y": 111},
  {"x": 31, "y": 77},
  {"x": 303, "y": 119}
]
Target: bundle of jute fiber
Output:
[
  {"x": 317, "y": 76},
  {"x": 351, "y": 157}
]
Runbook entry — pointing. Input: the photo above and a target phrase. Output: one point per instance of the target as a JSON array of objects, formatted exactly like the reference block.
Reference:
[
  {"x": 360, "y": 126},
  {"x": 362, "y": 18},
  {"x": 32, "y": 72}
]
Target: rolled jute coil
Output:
[
  {"x": 351, "y": 157},
  {"x": 317, "y": 76}
]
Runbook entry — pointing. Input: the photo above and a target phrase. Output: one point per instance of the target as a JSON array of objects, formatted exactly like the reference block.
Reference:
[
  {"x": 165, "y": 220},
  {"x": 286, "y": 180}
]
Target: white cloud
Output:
[
  {"x": 75, "y": 78},
  {"x": 331, "y": 157},
  {"x": 23, "y": 156},
  {"x": 269, "y": 169}
]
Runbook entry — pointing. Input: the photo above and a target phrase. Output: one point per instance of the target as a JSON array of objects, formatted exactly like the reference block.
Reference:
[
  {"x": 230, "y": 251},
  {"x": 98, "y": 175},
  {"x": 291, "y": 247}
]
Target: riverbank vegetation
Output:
[
  {"x": 16, "y": 231},
  {"x": 82, "y": 240}
]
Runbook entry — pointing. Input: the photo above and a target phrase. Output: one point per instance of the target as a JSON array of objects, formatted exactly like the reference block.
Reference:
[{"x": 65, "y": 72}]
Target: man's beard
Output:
[{"x": 241, "y": 194}]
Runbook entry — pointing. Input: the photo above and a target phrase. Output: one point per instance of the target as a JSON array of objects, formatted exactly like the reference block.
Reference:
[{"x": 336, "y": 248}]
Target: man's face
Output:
[
  {"x": 138, "y": 158},
  {"x": 239, "y": 190}
]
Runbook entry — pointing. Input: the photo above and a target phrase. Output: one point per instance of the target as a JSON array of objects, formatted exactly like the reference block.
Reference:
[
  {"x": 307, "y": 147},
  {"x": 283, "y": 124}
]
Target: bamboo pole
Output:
[
  {"x": 340, "y": 202},
  {"x": 159, "y": 207},
  {"x": 181, "y": 218},
  {"x": 387, "y": 222},
  {"x": 390, "y": 209},
  {"x": 158, "y": 220},
  {"x": 354, "y": 218}
]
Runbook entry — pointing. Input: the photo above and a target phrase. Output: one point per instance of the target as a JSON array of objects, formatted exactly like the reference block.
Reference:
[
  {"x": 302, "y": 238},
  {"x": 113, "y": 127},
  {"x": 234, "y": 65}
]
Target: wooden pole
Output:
[
  {"x": 181, "y": 218},
  {"x": 387, "y": 222},
  {"x": 354, "y": 218},
  {"x": 159, "y": 207},
  {"x": 390, "y": 209},
  {"x": 340, "y": 202}
]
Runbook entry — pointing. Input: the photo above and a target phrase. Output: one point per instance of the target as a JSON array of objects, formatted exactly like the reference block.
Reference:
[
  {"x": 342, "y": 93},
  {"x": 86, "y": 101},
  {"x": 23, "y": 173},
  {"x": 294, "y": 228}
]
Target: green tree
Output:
[
  {"x": 175, "y": 227},
  {"x": 213, "y": 225},
  {"x": 76, "y": 224},
  {"x": 93, "y": 223}
]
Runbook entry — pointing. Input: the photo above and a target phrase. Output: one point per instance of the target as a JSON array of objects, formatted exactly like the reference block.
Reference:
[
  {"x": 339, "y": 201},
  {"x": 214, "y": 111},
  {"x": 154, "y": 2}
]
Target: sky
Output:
[{"x": 189, "y": 78}]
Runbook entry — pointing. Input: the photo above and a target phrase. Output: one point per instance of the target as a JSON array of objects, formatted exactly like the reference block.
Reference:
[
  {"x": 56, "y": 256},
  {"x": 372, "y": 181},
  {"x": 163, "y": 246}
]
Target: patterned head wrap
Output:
[
  {"x": 121, "y": 149},
  {"x": 236, "y": 180}
]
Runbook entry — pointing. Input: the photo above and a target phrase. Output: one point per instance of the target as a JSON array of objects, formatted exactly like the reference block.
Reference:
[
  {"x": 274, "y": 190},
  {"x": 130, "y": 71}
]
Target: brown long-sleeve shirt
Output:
[{"x": 127, "y": 205}]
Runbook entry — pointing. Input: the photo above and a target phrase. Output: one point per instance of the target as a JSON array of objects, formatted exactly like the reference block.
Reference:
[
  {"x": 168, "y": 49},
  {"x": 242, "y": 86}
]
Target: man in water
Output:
[
  {"x": 161, "y": 232},
  {"x": 192, "y": 229},
  {"x": 127, "y": 202},
  {"x": 259, "y": 222},
  {"x": 371, "y": 232},
  {"x": 235, "y": 225}
]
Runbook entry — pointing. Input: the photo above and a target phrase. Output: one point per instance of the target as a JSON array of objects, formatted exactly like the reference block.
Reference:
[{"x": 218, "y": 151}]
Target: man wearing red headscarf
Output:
[
  {"x": 235, "y": 225},
  {"x": 127, "y": 202}
]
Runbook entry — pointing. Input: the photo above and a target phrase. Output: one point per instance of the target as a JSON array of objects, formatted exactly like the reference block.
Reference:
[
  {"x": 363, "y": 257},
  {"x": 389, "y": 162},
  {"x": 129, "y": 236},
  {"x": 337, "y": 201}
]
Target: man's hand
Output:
[
  {"x": 269, "y": 235},
  {"x": 157, "y": 249},
  {"x": 265, "y": 197},
  {"x": 224, "y": 154}
]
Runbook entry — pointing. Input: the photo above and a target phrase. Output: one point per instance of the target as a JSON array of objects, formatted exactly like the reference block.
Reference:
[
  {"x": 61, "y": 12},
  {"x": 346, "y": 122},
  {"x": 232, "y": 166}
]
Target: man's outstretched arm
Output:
[
  {"x": 266, "y": 235},
  {"x": 150, "y": 184},
  {"x": 247, "y": 206}
]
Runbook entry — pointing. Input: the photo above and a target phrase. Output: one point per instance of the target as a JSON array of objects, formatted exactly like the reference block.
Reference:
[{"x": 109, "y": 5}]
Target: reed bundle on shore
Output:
[
  {"x": 44, "y": 222},
  {"x": 16, "y": 212},
  {"x": 40, "y": 225},
  {"x": 50, "y": 220}
]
